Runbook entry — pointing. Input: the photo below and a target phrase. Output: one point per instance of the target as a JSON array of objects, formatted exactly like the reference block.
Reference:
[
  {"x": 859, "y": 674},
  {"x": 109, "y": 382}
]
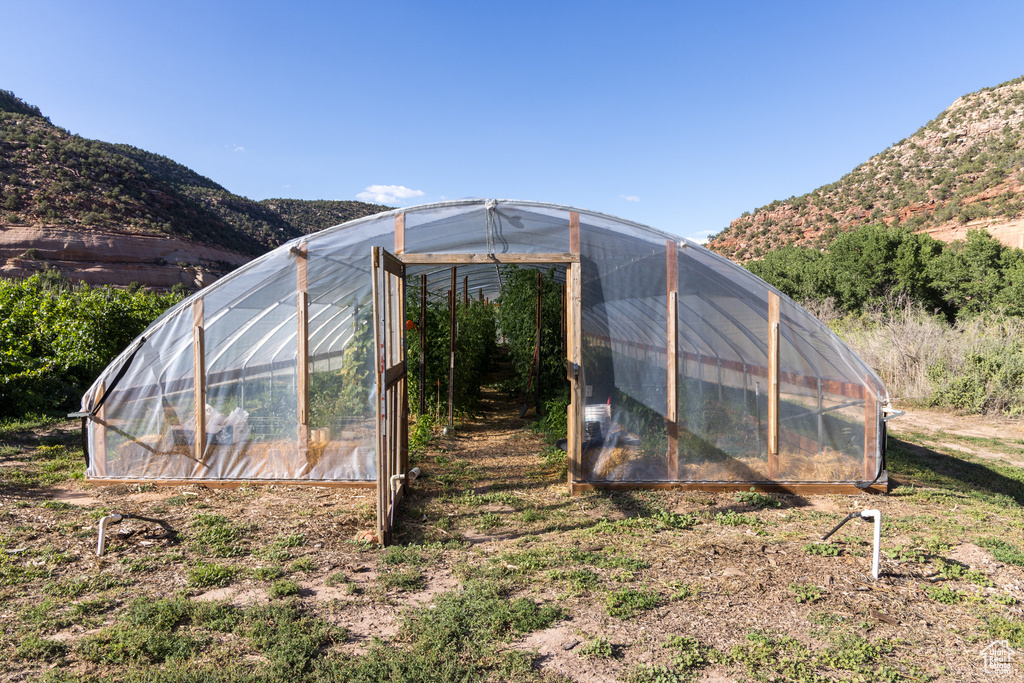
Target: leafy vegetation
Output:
[
  {"x": 943, "y": 324},
  {"x": 55, "y": 338},
  {"x": 876, "y": 264},
  {"x": 627, "y": 602},
  {"x": 475, "y": 348},
  {"x": 517, "y": 320}
]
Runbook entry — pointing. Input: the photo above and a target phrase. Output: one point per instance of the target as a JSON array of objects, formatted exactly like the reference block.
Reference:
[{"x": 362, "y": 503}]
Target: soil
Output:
[{"x": 479, "y": 487}]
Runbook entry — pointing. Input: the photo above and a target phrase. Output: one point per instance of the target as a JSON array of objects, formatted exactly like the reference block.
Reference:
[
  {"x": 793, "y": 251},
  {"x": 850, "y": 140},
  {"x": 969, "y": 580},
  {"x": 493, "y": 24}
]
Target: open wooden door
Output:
[{"x": 392, "y": 392}]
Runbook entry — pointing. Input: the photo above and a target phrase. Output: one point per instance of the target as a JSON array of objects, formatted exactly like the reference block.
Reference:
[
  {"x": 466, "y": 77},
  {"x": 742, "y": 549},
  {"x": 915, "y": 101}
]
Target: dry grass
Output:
[{"x": 919, "y": 355}]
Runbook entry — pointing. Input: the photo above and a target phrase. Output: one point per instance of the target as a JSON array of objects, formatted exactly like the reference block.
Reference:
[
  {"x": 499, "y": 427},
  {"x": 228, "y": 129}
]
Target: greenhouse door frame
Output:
[{"x": 573, "y": 331}]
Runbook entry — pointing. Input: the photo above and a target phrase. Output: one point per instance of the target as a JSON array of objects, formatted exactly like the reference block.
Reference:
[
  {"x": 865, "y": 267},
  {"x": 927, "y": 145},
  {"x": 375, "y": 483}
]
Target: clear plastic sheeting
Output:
[{"x": 689, "y": 374}]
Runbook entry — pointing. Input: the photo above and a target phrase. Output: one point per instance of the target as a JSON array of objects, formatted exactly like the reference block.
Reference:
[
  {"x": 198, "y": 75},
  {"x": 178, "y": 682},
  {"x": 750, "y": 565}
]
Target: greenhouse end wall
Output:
[{"x": 693, "y": 371}]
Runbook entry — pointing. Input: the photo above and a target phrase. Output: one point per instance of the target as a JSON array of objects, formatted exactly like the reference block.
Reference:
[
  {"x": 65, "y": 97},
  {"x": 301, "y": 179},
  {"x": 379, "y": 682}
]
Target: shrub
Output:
[
  {"x": 209, "y": 575},
  {"x": 283, "y": 588},
  {"x": 626, "y": 602}
]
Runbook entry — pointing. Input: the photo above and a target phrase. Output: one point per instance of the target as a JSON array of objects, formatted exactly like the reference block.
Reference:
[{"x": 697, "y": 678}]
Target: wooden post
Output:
[
  {"x": 821, "y": 420},
  {"x": 870, "y": 429},
  {"x": 423, "y": 344},
  {"x": 480, "y": 293},
  {"x": 465, "y": 291},
  {"x": 672, "y": 394},
  {"x": 672, "y": 378},
  {"x": 403, "y": 450},
  {"x": 379, "y": 364},
  {"x": 773, "y": 385},
  {"x": 199, "y": 370},
  {"x": 561, "y": 329},
  {"x": 302, "y": 362},
  {"x": 574, "y": 430},
  {"x": 574, "y": 232},
  {"x": 98, "y": 457},
  {"x": 399, "y": 234},
  {"x": 538, "y": 361},
  {"x": 451, "y": 355}
]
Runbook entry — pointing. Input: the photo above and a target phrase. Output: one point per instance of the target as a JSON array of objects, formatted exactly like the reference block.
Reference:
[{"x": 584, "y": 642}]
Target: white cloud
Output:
[
  {"x": 239, "y": 148},
  {"x": 388, "y": 194},
  {"x": 630, "y": 197}
]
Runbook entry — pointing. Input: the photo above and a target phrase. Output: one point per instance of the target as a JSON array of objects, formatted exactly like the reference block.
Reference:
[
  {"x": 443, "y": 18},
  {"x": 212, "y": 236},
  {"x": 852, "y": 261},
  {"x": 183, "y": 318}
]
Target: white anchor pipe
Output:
[
  {"x": 877, "y": 517},
  {"x": 101, "y": 545}
]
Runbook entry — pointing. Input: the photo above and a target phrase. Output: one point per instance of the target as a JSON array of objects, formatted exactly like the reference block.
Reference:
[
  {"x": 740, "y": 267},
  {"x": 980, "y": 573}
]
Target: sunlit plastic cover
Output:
[{"x": 830, "y": 401}]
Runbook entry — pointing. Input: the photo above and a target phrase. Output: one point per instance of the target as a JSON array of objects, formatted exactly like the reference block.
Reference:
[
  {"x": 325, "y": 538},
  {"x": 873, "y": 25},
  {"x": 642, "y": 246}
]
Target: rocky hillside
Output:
[
  {"x": 57, "y": 188},
  {"x": 963, "y": 170},
  {"x": 314, "y": 215}
]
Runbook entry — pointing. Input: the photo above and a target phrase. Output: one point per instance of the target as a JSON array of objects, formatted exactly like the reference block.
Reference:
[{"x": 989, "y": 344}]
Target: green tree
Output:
[
  {"x": 874, "y": 262},
  {"x": 798, "y": 271},
  {"x": 970, "y": 274}
]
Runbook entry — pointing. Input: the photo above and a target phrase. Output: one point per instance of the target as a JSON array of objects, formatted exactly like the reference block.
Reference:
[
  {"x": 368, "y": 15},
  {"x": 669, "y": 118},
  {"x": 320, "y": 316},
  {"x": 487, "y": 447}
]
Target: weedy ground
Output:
[{"x": 499, "y": 575}]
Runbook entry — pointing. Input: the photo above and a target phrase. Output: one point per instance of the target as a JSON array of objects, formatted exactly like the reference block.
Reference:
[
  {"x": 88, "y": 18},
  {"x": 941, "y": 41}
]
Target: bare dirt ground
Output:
[{"x": 651, "y": 586}]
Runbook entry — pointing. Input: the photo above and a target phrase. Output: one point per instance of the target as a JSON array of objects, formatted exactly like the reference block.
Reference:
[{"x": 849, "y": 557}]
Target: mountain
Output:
[
  {"x": 962, "y": 170},
  {"x": 103, "y": 212}
]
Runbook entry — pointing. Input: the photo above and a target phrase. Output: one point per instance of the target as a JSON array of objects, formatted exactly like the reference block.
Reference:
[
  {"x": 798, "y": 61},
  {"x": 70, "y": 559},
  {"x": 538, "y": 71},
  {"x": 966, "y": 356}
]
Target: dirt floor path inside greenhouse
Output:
[{"x": 499, "y": 444}]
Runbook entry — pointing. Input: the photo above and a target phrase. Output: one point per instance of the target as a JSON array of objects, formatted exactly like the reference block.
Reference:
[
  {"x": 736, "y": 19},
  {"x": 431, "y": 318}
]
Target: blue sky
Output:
[{"x": 680, "y": 115}]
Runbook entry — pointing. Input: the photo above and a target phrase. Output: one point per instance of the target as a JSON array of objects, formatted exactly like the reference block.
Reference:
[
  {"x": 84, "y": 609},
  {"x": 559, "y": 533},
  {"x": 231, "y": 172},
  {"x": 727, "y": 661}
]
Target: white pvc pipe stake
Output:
[
  {"x": 877, "y": 517},
  {"x": 101, "y": 544}
]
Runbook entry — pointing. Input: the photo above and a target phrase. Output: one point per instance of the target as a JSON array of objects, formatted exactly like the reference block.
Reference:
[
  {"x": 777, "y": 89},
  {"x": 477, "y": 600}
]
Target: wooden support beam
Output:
[
  {"x": 672, "y": 407},
  {"x": 394, "y": 374},
  {"x": 870, "y": 430},
  {"x": 199, "y": 373},
  {"x": 574, "y": 232},
  {"x": 795, "y": 488},
  {"x": 399, "y": 234},
  {"x": 574, "y": 432},
  {"x": 672, "y": 378},
  {"x": 391, "y": 264},
  {"x": 302, "y": 356},
  {"x": 562, "y": 328},
  {"x": 235, "y": 483},
  {"x": 773, "y": 385},
  {"x": 459, "y": 259},
  {"x": 98, "y": 458},
  {"x": 537, "y": 358},
  {"x": 379, "y": 363},
  {"x": 403, "y": 418},
  {"x": 423, "y": 344},
  {"x": 465, "y": 291},
  {"x": 451, "y": 355}
]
